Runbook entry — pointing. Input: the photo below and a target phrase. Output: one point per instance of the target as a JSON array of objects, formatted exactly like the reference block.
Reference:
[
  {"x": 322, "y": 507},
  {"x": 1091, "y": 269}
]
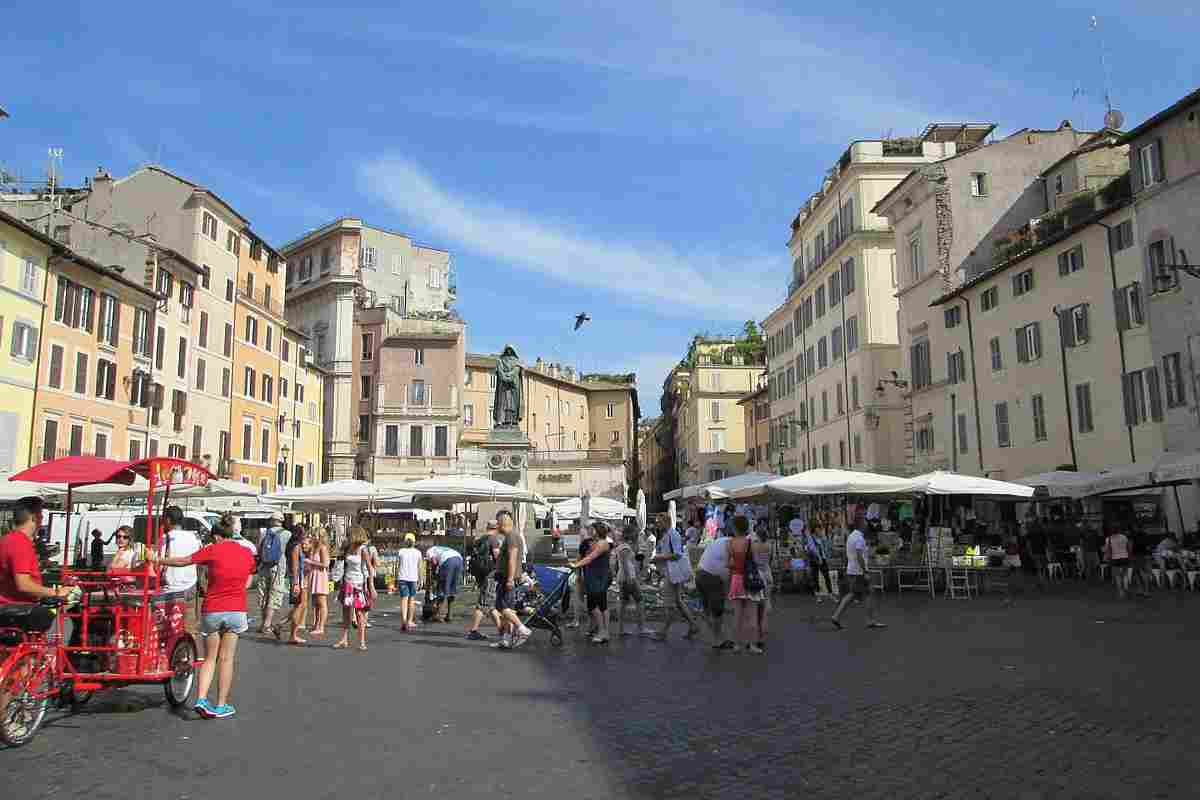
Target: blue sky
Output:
[{"x": 637, "y": 160}]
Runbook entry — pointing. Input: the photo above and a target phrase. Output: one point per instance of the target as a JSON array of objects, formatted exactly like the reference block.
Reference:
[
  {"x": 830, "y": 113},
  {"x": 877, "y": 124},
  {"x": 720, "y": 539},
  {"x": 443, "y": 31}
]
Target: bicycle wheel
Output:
[
  {"x": 178, "y": 688},
  {"x": 25, "y": 693}
]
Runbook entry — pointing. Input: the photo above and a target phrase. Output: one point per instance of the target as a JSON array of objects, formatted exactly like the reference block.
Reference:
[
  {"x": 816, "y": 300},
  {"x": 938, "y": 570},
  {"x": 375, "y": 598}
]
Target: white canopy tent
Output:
[
  {"x": 1061, "y": 483},
  {"x": 444, "y": 491},
  {"x": 217, "y": 487},
  {"x": 337, "y": 495},
  {"x": 12, "y": 491},
  {"x": 723, "y": 489},
  {"x": 940, "y": 482},
  {"x": 830, "y": 481},
  {"x": 601, "y": 508},
  {"x": 1172, "y": 467}
]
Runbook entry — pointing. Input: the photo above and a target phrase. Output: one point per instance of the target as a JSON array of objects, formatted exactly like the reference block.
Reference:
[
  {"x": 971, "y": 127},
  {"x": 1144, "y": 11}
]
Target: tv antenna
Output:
[{"x": 1112, "y": 117}]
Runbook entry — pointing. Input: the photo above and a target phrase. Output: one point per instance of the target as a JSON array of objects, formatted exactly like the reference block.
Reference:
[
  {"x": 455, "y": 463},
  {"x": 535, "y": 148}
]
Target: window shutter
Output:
[
  {"x": 112, "y": 382},
  {"x": 1037, "y": 339},
  {"x": 1085, "y": 323},
  {"x": 1136, "y": 289},
  {"x": 1127, "y": 395},
  {"x": 31, "y": 346},
  {"x": 1064, "y": 263},
  {"x": 101, "y": 379},
  {"x": 116, "y": 340},
  {"x": 1160, "y": 171},
  {"x": 1156, "y": 406},
  {"x": 1065, "y": 329},
  {"x": 1022, "y": 348},
  {"x": 1016, "y": 286},
  {"x": 1121, "y": 307},
  {"x": 1135, "y": 172},
  {"x": 950, "y": 368}
]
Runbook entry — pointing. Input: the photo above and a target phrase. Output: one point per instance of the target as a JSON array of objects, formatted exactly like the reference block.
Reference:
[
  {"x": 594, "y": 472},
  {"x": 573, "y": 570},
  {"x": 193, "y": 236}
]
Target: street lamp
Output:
[{"x": 285, "y": 451}]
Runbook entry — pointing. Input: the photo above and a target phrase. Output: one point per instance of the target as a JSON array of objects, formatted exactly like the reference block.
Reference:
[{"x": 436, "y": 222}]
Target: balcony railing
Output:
[
  {"x": 547, "y": 458},
  {"x": 258, "y": 297}
]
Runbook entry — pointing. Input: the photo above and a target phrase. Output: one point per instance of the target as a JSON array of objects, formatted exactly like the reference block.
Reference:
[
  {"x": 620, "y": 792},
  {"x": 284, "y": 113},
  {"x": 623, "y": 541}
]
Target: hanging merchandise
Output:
[{"x": 906, "y": 511}]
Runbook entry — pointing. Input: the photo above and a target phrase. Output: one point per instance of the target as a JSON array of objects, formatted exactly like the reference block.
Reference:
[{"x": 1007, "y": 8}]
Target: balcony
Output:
[
  {"x": 258, "y": 297},
  {"x": 554, "y": 458},
  {"x": 422, "y": 410}
]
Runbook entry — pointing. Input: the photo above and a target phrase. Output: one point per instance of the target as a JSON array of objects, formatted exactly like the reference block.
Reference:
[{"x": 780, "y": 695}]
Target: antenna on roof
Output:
[{"x": 1112, "y": 118}]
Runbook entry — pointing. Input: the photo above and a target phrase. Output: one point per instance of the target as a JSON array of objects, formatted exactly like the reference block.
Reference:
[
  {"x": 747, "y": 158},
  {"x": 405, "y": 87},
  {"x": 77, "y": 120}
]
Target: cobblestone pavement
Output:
[{"x": 1069, "y": 695}]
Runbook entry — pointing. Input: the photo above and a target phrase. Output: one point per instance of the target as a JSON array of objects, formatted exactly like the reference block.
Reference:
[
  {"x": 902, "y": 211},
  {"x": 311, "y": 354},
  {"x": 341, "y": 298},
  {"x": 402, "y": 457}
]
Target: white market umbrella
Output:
[
  {"x": 12, "y": 491},
  {"x": 727, "y": 487},
  {"x": 598, "y": 508},
  {"x": 448, "y": 490},
  {"x": 940, "y": 482},
  {"x": 585, "y": 511},
  {"x": 1177, "y": 467},
  {"x": 337, "y": 493},
  {"x": 218, "y": 487},
  {"x": 671, "y": 512},
  {"x": 641, "y": 512},
  {"x": 831, "y": 481},
  {"x": 1061, "y": 483}
]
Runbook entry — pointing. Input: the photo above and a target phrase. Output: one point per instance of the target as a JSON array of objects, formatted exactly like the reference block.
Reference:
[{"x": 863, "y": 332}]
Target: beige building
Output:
[
  {"x": 835, "y": 337},
  {"x": 301, "y": 418},
  {"x": 701, "y": 396},
  {"x": 656, "y": 457},
  {"x": 756, "y": 417}
]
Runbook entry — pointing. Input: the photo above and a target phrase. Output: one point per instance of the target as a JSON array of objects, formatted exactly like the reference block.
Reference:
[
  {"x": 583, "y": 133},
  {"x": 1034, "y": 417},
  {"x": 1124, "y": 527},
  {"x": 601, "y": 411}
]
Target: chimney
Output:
[
  {"x": 539, "y": 365},
  {"x": 99, "y": 199}
]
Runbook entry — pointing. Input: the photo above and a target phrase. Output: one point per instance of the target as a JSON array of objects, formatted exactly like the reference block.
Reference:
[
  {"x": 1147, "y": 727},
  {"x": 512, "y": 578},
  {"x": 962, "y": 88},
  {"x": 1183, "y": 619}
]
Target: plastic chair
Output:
[
  {"x": 1191, "y": 579},
  {"x": 1172, "y": 577},
  {"x": 958, "y": 583},
  {"x": 1054, "y": 568},
  {"x": 1157, "y": 572}
]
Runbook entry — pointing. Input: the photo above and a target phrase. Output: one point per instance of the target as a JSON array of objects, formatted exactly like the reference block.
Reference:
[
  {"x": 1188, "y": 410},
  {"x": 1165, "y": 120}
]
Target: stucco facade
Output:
[
  {"x": 756, "y": 418},
  {"x": 301, "y": 385}
]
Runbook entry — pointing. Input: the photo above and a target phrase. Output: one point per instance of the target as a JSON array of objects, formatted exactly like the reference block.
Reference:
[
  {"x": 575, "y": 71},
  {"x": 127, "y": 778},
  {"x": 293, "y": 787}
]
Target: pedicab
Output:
[{"x": 126, "y": 628}]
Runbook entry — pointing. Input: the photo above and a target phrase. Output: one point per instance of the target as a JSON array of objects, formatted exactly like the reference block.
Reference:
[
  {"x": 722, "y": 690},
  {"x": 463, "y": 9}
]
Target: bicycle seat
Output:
[{"x": 33, "y": 617}]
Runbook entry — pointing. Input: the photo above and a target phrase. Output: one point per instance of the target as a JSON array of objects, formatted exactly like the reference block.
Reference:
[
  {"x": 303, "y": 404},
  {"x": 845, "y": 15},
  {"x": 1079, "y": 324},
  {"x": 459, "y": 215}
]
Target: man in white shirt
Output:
[
  {"x": 712, "y": 580},
  {"x": 858, "y": 583},
  {"x": 180, "y": 543}
]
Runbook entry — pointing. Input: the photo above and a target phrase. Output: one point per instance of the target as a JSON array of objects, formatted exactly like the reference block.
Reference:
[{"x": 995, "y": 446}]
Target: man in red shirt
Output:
[
  {"x": 223, "y": 615},
  {"x": 20, "y": 575}
]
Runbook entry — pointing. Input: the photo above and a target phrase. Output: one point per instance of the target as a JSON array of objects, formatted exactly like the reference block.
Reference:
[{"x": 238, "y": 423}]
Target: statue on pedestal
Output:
[{"x": 507, "y": 411}]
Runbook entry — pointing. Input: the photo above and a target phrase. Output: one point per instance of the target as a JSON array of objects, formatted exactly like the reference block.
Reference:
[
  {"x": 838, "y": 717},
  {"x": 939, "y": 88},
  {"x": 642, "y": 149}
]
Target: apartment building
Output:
[
  {"x": 835, "y": 338},
  {"x": 25, "y": 253},
  {"x": 331, "y": 271},
  {"x": 94, "y": 395},
  {"x": 756, "y": 416},
  {"x": 409, "y": 370},
  {"x": 657, "y": 467},
  {"x": 949, "y": 219},
  {"x": 301, "y": 389},
  {"x": 702, "y": 394}
]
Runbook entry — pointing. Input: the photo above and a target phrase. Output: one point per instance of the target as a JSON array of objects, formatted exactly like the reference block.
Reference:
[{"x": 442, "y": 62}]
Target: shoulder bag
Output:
[{"x": 753, "y": 580}]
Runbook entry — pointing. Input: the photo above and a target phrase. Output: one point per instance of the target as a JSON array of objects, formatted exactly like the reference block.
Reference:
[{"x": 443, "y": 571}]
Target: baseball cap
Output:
[
  {"x": 277, "y": 515},
  {"x": 408, "y": 537}
]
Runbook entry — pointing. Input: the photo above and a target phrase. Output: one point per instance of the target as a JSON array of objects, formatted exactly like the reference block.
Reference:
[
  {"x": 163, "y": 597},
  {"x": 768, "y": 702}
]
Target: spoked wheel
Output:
[
  {"x": 24, "y": 695},
  {"x": 178, "y": 688},
  {"x": 556, "y": 638}
]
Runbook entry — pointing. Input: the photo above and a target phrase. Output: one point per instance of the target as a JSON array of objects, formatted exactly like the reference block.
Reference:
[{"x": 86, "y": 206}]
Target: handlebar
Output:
[{"x": 52, "y": 602}]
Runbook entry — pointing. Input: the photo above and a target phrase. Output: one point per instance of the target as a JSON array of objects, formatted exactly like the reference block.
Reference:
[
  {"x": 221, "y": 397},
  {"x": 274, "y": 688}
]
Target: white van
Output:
[{"x": 107, "y": 521}]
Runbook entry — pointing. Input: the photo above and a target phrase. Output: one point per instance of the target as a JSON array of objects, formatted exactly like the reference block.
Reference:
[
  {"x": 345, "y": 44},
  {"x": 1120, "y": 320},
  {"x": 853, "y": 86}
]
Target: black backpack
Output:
[{"x": 483, "y": 562}]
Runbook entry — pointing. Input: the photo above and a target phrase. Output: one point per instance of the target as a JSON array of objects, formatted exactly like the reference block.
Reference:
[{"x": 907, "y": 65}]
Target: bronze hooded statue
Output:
[{"x": 507, "y": 408}]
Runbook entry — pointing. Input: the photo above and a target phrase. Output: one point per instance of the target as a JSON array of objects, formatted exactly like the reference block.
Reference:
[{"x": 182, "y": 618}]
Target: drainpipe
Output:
[
  {"x": 845, "y": 364},
  {"x": 37, "y": 360},
  {"x": 1062, "y": 349},
  {"x": 953, "y": 432},
  {"x": 1112, "y": 269},
  {"x": 974, "y": 384},
  {"x": 808, "y": 426}
]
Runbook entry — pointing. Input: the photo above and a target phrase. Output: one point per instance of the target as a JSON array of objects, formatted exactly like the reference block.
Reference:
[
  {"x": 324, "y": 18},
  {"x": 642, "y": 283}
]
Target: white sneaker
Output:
[
  {"x": 521, "y": 638},
  {"x": 648, "y": 634},
  {"x": 503, "y": 644}
]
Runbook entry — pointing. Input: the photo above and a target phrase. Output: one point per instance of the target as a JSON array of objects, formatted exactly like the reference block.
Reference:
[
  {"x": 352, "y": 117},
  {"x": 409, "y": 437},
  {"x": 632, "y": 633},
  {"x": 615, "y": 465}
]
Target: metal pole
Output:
[{"x": 1179, "y": 510}]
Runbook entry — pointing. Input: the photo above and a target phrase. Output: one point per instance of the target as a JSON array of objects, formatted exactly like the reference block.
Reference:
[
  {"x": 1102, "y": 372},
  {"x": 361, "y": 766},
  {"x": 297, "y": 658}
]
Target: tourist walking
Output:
[
  {"x": 179, "y": 543},
  {"x": 355, "y": 593},
  {"x": 1118, "y": 553},
  {"x": 318, "y": 581},
  {"x": 712, "y": 581},
  {"x": 858, "y": 583},
  {"x": 628, "y": 583},
  {"x": 483, "y": 570},
  {"x": 576, "y": 586},
  {"x": 408, "y": 575},
  {"x": 223, "y": 615},
  {"x": 295, "y": 554},
  {"x": 272, "y": 570},
  {"x": 745, "y": 586},
  {"x": 818, "y": 549},
  {"x": 645, "y": 556},
  {"x": 597, "y": 575},
  {"x": 672, "y": 559},
  {"x": 447, "y": 564},
  {"x": 762, "y": 559},
  {"x": 513, "y": 633}
]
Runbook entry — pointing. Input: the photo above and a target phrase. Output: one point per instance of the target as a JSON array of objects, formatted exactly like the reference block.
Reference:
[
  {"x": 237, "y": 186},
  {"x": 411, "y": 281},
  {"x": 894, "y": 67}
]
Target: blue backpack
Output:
[{"x": 271, "y": 550}]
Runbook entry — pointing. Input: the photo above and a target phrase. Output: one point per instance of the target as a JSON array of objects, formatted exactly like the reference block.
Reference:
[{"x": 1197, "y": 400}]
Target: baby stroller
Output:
[{"x": 553, "y": 583}]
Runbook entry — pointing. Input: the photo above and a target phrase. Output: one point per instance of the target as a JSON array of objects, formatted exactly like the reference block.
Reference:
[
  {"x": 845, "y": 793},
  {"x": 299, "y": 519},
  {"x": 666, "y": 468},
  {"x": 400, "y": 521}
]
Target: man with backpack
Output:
[
  {"x": 484, "y": 558},
  {"x": 271, "y": 568}
]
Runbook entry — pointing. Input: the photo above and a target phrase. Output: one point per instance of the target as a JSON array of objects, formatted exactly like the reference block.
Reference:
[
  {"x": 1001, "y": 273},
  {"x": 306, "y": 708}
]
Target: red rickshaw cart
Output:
[{"x": 127, "y": 629}]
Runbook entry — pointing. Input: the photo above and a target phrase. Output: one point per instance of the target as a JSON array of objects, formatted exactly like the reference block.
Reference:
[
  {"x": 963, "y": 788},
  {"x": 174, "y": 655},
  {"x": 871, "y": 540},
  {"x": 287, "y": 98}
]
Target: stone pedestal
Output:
[{"x": 507, "y": 456}]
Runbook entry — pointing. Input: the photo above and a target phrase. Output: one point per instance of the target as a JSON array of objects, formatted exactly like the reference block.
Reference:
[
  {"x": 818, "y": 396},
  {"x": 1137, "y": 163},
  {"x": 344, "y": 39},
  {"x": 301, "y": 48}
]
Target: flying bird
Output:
[{"x": 580, "y": 319}]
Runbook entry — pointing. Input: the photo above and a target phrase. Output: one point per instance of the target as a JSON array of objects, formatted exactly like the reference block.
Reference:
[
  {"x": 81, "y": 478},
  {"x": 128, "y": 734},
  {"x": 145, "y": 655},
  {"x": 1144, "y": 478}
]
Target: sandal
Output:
[
  {"x": 362, "y": 648},
  {"x": 341, "y": 645}
]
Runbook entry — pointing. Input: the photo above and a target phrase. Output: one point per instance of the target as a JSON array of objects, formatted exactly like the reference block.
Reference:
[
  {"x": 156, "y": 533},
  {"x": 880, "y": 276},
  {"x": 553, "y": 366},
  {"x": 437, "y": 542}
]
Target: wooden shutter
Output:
[
  {"x": 1022, "y": 346},
  {"x": 56, "y": 357},
  {"x": 1156, "y": 404},
  {"x": 1159, "y": 163},
  {"x": 111, "y": 389},
  {"x": 116, "y": 340},
  {"x": 1127, "y": 396},
  {"x": 1121, "y": 307},
  {"x": 1086, "y": 323},
  {"x": 1065, "y": 328},
  {"x": 1037, "y": 339},
  {"x": 1064, "y": 263},
  {"x": 158, "y": 397}
]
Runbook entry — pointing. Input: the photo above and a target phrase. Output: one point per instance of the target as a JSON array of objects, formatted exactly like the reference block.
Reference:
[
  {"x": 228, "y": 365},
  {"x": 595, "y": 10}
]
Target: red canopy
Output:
[{"x": 87, "y": 470}]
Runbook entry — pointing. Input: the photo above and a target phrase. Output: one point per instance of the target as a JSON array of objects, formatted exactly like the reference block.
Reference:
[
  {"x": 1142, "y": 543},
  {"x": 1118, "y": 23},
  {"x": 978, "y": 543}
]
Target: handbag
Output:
[
  {"x": 337, "y": 571},
  {"x": 753, "y": 580}
]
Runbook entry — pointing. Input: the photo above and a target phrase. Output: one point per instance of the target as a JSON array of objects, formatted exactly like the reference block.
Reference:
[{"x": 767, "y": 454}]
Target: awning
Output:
[
  {"x": 940, "y": 482},
  {"x": 832, "y": 482},
  {"x": 443, "y": 491},
  {"x": 1176, "y": 467},
  {"x": 1060, "y": 483},
  {"x": 722, "y": 489},
  {"x": 601, "y": 508}
]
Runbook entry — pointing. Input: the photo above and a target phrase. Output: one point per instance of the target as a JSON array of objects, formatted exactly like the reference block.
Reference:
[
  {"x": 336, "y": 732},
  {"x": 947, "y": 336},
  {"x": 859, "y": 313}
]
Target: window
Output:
[
  {"x": 825, "y": 406},
  {"x": 160, "y": 349},
  {"x": 997, "y": 356},
  {"x": 265, "y": 446},
  {"x": 953, "y": 316},
  {"x": 1128, "y": 303},
  {"x": 326, "y": 259},
  {"x": 416, "y": 441},
  {"x": 391, "y": 440},
  {"x": 50, "y": 440},
  {"x": 468, "y": 415},
  {"x": 205, "y": 277},
  {"x": 857, "y": 448},
  {"x": 367, "y": 257},
  {"x": 251, "y": 330},
  {"x": 916, "y": 258},
  {"x": 233, "y": 243},
  {"x": 187, "y": 297},
  {"x": 75, "y": 447},
  {"x": 835, "y": 342},
  {"x": 24, "y": 341},
  {"x": 368, "y": 346},
  {"x": 203, "y": 339},
  {"x": 135, "y": 450},
  {"x": 835, "y": 289},
  {"x": 841, "y": 452},
  {"x": 364, "y": 428},
  {"x": 1071, "y": 260},
  {"x": 1022, "y": 283},
  {"x": 268, "y": 392},
  {"x": 841, "y": 399},
  {"x": 1058, "y": 183},
  {"x": 1038, "y": 407},
  {"x": 106, "y": 379},
  {"x": 854, "y": 392},
  {"x": 810, "y": 365},
  {"x": 269, "y": 336},
  {"x": 1150, "y": 168},
  {"x": 56, "y": 364},
  {"x": 1083, "y": 407},
  {"x": 1122, "y": 235},
  {"x": 956, "y": 367},
  {"x": 1074, "y": 325},
  {"x": 990, "y": 298},
  {"x": 806, "y": 312},
  {"x": 141, "y": 332},
  {"x": 435, "y": 278},
  {"x": 201, "y": 369},
  {"x": 920, "y": 365},
  {"x": 1142, "y": 395},
  {"x": 419, "y": 356},
  {"x": 208, "y": 225},
  {"x": 1029, "y": 342},
  {"x": 848, "y": 277},
  {"x": 820, "y": 300},
  {"x": 228, "y": 348},
  {"x": 74, "y": 305},
  {"x": 181, "y": 365},
  {"x": 197, "y": 441},
  {"x": 81, "y": 373},
  {"x": 365, "y": 387},
  {"x": 610, "y": 410},
  {"x": 416, "y": 393},
  {"x": 229, "y": 290},
  {"x": 716, "y": 411},
  {"x": 29, "y": 277},
  {"x": 110, "y": 320},
  {"x": 962, "y": 433},
  {"x": 1002, "y": 433},
  {"x": 822, "y": 353},
  {"x": 283, "y": 387},
  {"x": 1173, "y": 378},
  {"x": 1160, "y": 253},
  {"x": 979, "y": 184},
  {"x": 923, "y": 439},
  {"x": 248, "y": 385},
  {"x": 851, "y": 334},
  {"x": 491, "y": 380}
]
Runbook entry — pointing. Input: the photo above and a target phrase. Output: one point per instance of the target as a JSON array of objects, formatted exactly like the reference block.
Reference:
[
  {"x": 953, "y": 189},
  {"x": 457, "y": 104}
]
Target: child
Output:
[{"x": 627, "y": 580}]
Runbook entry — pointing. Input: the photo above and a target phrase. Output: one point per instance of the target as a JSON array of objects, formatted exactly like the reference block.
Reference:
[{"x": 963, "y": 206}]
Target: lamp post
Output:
[{"x": 285, "y": 451}]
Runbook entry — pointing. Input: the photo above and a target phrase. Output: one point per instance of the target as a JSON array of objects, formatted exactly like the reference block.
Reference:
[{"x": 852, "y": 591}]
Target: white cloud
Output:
[
  {"x": 724, "y": 286},
  {"x": 652, "y": 370}
]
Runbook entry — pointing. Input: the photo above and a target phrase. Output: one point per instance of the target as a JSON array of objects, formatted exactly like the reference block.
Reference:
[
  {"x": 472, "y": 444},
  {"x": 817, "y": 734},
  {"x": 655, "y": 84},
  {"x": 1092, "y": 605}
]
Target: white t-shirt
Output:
[
  {"x": 246, "y": 543},
  {"x": 692, "y": 535},
  {"x": 856, "y": 543},
  {"x": 649, "y": 544},
  {"x": 715, "y": 560},
  {"x": 182, "y": 543},
  {"x": 678, "y": 570},
  {"x": 408, "y": 564}
]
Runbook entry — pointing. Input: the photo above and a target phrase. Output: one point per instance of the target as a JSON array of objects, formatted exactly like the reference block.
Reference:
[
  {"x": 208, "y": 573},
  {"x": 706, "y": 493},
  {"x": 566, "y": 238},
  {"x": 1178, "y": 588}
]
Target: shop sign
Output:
[{"x": 556, "y": 477}]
